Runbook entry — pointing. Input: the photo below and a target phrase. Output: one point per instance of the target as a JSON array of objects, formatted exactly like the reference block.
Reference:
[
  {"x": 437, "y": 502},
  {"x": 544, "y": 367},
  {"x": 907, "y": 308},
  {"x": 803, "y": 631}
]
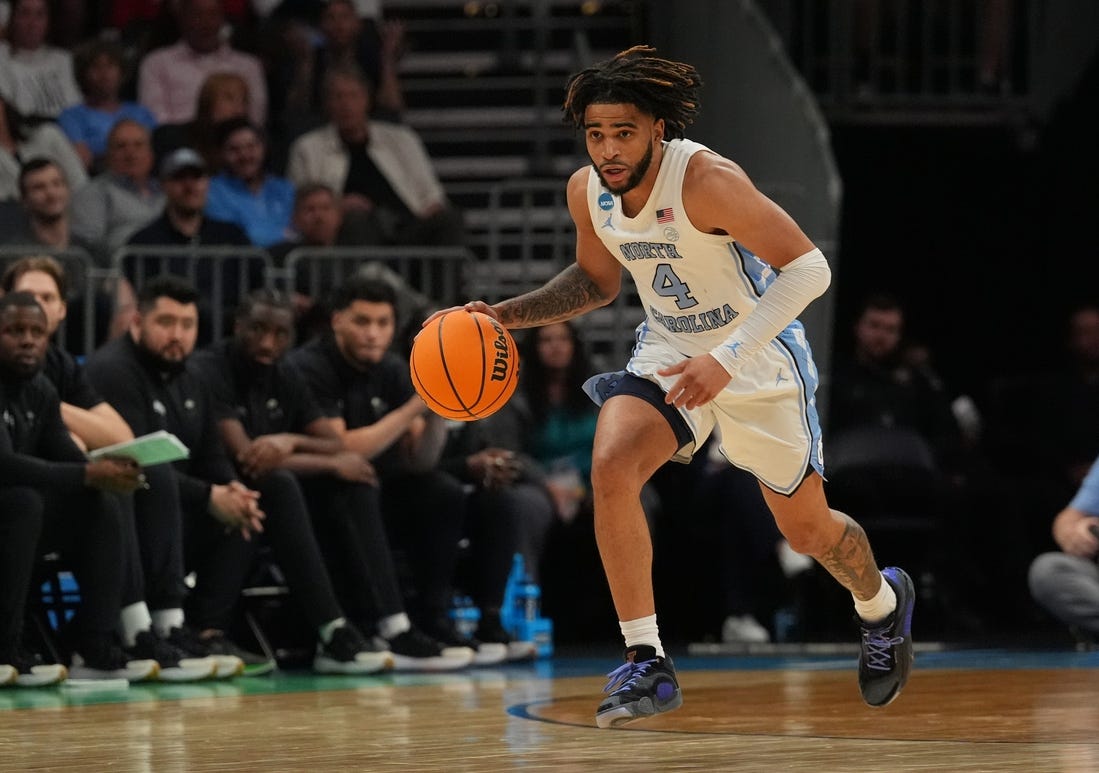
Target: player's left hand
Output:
[{"x": 700, "y": 380}]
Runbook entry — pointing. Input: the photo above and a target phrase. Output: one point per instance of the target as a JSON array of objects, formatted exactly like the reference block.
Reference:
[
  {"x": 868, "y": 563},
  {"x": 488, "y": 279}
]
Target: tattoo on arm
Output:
[
  {"x": 851, "y": 562},
  {"x": 569, "y": 294}
]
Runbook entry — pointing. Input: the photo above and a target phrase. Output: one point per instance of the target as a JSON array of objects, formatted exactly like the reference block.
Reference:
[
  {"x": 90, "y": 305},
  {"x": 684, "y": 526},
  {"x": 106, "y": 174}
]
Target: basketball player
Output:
[{"x": 723, "y": 273}]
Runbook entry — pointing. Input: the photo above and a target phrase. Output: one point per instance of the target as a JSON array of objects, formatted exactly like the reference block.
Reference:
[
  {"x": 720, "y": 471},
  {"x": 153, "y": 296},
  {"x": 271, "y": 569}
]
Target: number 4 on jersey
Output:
[{"x": 667, "y": 285}]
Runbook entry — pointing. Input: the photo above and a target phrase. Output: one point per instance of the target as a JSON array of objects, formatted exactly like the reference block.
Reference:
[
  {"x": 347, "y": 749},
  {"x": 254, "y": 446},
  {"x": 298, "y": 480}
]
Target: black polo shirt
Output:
[
  {"x": 35, "y": 447},
  {"x": 266, "y": 399},
  {"x": 151, "y": 397},
  {"x": 359, "y": 397}
]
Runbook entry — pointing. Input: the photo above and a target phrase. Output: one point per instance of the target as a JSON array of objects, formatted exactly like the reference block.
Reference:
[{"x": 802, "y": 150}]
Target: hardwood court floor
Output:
[{"x": 962, "y": 711}]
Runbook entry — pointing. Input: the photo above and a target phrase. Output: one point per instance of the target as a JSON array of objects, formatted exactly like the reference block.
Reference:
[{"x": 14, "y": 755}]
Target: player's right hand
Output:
[
  {"x": 480, "y": 306},
  {"x": 117, "y": 474}
]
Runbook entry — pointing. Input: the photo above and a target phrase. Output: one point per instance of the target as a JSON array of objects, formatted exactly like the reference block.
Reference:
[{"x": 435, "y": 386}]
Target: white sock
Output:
[
  {"x": 164, "y": 620},
  {"x": 643, "y": 630},
  {"x": 394, "y": 625},
  {"x": 878, "y": 608},
  {"x": 330, "y": 627},
  {"x": 134, "y": 618}
]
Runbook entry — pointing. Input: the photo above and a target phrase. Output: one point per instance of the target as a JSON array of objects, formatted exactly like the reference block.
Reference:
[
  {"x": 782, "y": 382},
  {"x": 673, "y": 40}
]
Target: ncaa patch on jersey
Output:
[{"x": 606, "y": 201}]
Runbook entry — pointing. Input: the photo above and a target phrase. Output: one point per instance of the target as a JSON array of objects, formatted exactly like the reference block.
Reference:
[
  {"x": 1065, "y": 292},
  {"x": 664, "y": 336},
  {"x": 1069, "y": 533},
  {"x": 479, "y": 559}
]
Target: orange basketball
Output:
[{"x": 465, "y": 365}]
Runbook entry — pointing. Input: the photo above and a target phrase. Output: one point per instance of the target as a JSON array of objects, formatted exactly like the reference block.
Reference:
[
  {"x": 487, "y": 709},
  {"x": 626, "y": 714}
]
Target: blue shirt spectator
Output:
[
  {"x": 99, "y": 67},
  {"x": 245, "y": 193}
]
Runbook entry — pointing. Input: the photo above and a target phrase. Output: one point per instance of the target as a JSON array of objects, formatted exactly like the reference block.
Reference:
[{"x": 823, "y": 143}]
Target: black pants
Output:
[
  {"x": 222, "y": 562},
  {"x": 85, "y": 528},
  {"x": 495, "y": 523},
  {"x": 424, "y": 515},
  {"x": 347, "y": 518},
  {"x": 154, "y": 532}
]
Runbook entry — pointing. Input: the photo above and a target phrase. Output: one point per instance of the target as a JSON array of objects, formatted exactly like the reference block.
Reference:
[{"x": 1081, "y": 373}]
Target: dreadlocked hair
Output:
[{"x": 659, "y": 87}]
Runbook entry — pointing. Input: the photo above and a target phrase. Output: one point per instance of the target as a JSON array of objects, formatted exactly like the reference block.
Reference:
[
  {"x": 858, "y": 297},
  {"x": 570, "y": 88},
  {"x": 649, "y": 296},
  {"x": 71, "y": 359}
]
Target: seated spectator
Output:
[
  {"x": 345, "y": 39},
  {"x": 45, "y": 199},
  {"x": 317, "y": 223},
  {"x": 389, "y": 191},
  {"x": 99, "y": 70},
  {"x": 245, "y": 192},
  {"x": 169, "y": 78},
  {"x": 40, "y": 76},
  {"x": 145, "y": 375},
  {"x": 122, "y": 198},
  {"x": 24, "y": 139},
  {"x": 270, "y": 421},
  {"x": 54, "y": 499},
  {"x": 45, "y": 196},
  {"x": 186, "y": 182},
  {"x": 91, "y": 421},
  {"x": 1066, "y": 583},
  {"x": 223, "y": 95},
  {"x": 365, "y": 393}
]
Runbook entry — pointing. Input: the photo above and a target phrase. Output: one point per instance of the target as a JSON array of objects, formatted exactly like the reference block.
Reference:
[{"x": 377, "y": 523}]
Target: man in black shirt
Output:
[
  {"x": 270, "y": 421},
  {"x": 186, "y": 182},
  {"x": 146, "y": 377},
  {"x": 53, "y": 499},
  {"x": 93, "y": 423},
  {"x": 366, "y": 394}
]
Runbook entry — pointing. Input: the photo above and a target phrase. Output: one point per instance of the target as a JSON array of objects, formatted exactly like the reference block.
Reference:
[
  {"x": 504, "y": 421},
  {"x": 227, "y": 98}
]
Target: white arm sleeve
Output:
[{"x": 799, "y": 282}]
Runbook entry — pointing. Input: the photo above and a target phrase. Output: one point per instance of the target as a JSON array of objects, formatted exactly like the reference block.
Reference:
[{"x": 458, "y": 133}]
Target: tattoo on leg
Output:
[{"x": 851, "y": 562}]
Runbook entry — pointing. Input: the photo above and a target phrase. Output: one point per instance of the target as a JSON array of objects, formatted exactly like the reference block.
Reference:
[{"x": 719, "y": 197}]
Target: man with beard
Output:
[
  {"x": 270, "y": 422},
  {"x": 720, "y": 346},
  {"x": 145, "y": 376},
  {"x": 53, "y": 499},
  {"x": 244, "y": 192}
]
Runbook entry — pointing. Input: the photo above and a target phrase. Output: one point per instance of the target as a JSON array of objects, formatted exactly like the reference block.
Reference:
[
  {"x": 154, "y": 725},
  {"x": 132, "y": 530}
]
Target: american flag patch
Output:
[{"x": 665, "y": 215}]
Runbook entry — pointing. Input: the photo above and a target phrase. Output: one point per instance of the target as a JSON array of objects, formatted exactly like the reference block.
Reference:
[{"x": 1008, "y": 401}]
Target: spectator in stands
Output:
[
  {"x": 40, "y": 76},
  {"x": 45, "y": 197},
  {"x": 875, "y": 386},
  {"x": 185, "y": 181},
  {"x": 53, "y": 498},
  {"x": 122, "y": 198},
  {"x": 22, "y": 139},
  {"x": 91, "y": 421},
  {"x": 1066, "y": 582},
  {"x": 389, "y": 191},
  {"x": 170, "y": 78},
  {"x": 223, "y": 95},
  {"x": 245, "y": 192},
  {"x": 99, "y": 70},
  {"x": 346, "y": 39},
  {"x": 146, "y": 377},
  {"x": 270, "y": 421},
  {"x": 366, "y": 395},
  {"x": 317, "y": 223}
]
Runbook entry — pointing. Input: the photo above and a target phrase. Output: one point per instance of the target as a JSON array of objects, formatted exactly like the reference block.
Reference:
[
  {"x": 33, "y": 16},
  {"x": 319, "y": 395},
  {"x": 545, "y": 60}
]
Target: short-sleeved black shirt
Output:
[
  {"x": 267, "y": 399},
  {"x": 69, "y": 379},
  {"x": 359, "y": 397}
]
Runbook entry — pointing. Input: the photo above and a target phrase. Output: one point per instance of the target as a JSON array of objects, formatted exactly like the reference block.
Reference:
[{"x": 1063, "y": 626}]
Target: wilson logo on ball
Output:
[{"x": 464, "y": 365}]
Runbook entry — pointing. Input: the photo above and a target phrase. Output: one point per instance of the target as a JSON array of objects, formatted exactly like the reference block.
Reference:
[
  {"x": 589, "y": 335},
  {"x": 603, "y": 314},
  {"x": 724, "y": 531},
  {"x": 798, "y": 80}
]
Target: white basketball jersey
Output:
[{"x": 696, "y": 287}]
